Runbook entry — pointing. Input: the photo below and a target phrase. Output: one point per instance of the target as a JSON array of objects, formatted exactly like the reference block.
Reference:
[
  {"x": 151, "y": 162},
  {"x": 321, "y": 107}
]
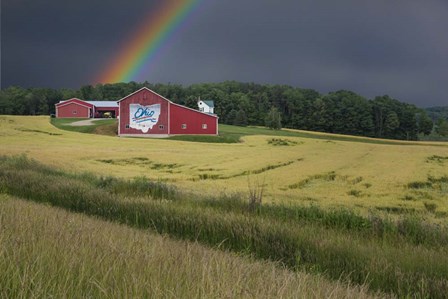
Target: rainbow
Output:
[{"x": 148, "y": 40}]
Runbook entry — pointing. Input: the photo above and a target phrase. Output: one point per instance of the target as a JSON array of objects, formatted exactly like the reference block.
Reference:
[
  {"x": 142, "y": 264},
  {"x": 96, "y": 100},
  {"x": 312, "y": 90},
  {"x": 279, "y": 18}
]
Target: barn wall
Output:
[
  {"x": 68, "y": 110},
  {"x": 194, "y": 121},
  {"x": 143, "y": 97}
]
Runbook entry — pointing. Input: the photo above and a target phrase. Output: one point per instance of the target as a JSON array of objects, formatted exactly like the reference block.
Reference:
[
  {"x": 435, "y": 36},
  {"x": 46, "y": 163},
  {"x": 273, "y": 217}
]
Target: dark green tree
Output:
[
  {"x": 43, "y": 106},
  {"x": 231, "y": 116},
  {"x": 191, "y": 102},
  {"x": 436, "y": 113},
  {"x": 318, "y": 120},
  {"x": 442, "y": 127},
  {"x": 67, "y": 94},
  {"x": 348, "y": 113},
  {"x": 6, "y": 104},
  {"x": 87, "y": 92},
  {"x": 425, "y": 124},
  {"x": 391, "y": 123},
  {"x": 240, "y": 118},
  {"x": 273, "y": 119}
]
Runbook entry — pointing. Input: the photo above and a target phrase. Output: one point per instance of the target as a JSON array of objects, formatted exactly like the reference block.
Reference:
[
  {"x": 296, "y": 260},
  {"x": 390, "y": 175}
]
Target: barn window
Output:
[
  {"x": 184, "y": 126},
  {"x": 204, "y": 126},
  {"x": 127, "y": 126},
  {"x": 202, "y": 109},
  {"x": 161, "y": 127},
  {"x": 74, "y": 111}
]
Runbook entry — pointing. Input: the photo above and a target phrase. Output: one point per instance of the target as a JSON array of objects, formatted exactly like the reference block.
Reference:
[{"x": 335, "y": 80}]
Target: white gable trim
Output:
[
  {"x": 62, "y": 102},
  {"x": 144, "y": 88},
  {"x": 68, "y": 102}
]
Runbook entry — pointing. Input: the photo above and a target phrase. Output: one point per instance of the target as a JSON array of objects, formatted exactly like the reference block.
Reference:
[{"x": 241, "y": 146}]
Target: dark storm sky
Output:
[{"x": 394, "y": 47}]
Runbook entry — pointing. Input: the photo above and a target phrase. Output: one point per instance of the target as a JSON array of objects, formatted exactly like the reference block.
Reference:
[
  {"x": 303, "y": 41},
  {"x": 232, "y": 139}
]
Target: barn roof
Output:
[
  {"x": 194, "y": 110},
  {"x": 141, "y": 89},
  {"x": 75, "y": 101},
  {"x": 99, "y": 104},
  {"x": 103, "y": 103},
  {"x": 170, "y": 102}
]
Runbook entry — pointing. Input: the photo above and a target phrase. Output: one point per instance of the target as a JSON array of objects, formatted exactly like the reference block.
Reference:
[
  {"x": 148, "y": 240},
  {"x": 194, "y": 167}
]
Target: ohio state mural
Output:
[{"x": 143, "y": 118}]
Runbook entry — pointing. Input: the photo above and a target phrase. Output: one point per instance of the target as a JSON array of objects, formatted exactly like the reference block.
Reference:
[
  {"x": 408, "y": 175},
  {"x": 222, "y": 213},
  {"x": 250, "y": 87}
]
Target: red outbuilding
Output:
[
  {"x": 74, "y": 108},
  {"x": 145, "y": 113}
]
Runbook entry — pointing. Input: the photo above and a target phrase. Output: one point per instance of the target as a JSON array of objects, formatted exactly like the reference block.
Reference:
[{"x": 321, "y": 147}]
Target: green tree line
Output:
[
  {"x": 439, "y": 115},
  {"x": 343, "y": 112}
]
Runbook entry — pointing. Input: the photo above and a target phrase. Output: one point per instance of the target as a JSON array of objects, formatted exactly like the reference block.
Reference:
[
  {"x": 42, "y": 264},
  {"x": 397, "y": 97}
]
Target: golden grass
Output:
[
  {"x": 365, "y": 175},
  {"x": 47, "y": 252}
]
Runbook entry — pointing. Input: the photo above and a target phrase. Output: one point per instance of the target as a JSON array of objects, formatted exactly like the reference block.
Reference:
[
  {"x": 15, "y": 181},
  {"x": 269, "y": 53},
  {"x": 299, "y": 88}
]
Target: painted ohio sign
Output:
[{"x": 143, "y": 117}]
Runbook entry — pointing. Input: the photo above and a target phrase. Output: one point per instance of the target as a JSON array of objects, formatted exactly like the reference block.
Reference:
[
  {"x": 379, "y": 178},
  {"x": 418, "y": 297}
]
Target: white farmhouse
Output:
[{"x": 206, "y": 106}]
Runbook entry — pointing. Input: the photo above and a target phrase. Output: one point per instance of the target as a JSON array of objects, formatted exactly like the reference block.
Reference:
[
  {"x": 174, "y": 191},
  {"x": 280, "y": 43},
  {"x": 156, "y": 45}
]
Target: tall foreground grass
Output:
[
  {"x": 406, "y": 270},
  {"x": 406, "y": 229},
  {"x": 50, "y": 253}
]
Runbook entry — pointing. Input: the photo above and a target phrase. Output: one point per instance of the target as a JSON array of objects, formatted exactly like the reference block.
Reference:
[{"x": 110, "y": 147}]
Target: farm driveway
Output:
[{"x": 86, "y": 122}]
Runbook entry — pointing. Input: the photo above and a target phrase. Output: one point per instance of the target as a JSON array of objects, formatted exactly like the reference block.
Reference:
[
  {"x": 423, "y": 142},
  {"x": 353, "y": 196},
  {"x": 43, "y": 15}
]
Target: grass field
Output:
[
  {"x": 407, "y": 257},
  {"x": 75, "y": 256},
  {"x": 397, "y": 178},
  {"x": 354, "y": 212}
]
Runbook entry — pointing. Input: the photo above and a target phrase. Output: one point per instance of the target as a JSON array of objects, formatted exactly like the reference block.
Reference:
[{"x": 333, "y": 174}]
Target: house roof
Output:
[{"x": 211, "y": 104}]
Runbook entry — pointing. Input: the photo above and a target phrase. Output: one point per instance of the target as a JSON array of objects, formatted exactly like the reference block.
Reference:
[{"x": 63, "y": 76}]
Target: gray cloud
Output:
[{"x": 371, "y": 47}]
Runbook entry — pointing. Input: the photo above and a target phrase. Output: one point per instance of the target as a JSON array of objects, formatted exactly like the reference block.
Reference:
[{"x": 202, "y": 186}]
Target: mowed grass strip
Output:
[
  {"x": 99, "y": 126},
  {"x": 51, "y": 253},
  {"x": 407, "y": 270},
  {"x": 236, "y": 132}
]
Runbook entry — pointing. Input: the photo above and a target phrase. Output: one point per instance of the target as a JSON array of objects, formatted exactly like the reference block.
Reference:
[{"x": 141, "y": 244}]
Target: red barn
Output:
[
  {"x": 145, "y": 113},
  {"x": 85, "y": 109}
]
